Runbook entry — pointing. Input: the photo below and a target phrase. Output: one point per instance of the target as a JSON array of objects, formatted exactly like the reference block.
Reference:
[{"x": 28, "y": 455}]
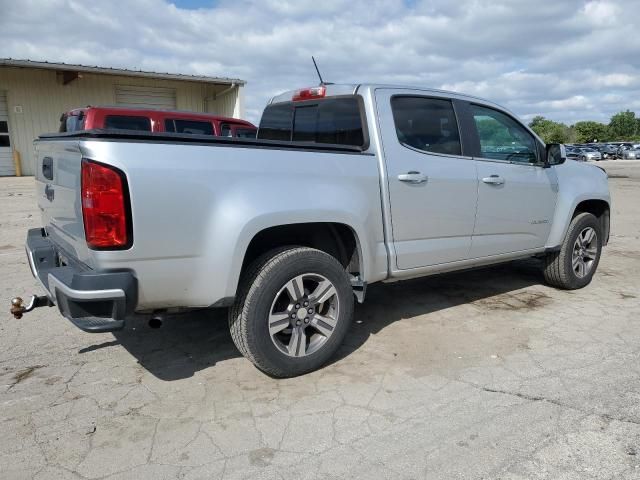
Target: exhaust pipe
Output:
[
  {"x": 155, "y": 321},
  {"x": 18, "y": 308}
]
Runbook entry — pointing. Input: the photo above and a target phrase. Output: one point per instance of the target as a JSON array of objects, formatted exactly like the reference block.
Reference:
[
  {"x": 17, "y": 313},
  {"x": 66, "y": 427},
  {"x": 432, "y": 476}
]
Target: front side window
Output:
[
  {"x": 193, "y": 127},
  {"x": 426, "y": 124},
  {"x": 127, "y": 122},
  {"x": 502, "y": 138}
]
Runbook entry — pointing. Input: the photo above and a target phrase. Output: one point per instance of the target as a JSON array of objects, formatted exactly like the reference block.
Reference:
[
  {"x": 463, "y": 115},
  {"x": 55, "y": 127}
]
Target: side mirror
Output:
[{"x": 556, "y": 154}]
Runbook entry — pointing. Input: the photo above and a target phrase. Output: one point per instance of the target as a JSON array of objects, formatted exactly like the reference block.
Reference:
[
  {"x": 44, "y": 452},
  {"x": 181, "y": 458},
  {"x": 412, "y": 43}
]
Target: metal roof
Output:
[{"x": 11, "y": 62}]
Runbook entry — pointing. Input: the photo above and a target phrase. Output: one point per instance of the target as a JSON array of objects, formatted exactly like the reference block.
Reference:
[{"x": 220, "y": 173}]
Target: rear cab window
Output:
[
  {"x": 194, "y": 127},
  {"x": 333, "y": 120},
  {"x": 128, "y": 122}
]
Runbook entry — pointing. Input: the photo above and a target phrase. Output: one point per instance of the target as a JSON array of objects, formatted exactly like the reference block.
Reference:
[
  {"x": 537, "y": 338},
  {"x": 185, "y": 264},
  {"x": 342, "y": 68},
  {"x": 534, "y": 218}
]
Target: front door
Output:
[
  {"x": 432, "y": 185},
  {"x": 516, "y": 194}
]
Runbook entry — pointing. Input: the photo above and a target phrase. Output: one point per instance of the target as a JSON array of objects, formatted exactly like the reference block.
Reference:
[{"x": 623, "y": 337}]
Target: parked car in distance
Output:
[
  {"x": 630, "y": 153},
  {"x": 588, "y": 153},
  {"x": 573, "y": 153},
  {"x": 148, "y": 120},
  {"x": 345, "y": 186},
  {"x": 622, "y": 147},
  {"x": 608, "y": 150}
]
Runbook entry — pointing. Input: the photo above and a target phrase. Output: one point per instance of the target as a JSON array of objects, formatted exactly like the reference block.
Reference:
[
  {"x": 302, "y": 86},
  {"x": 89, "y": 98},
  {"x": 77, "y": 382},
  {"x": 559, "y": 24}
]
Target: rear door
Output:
[
  {"x": 516, "y": 194},
  {"x": 432, "y": 182}
]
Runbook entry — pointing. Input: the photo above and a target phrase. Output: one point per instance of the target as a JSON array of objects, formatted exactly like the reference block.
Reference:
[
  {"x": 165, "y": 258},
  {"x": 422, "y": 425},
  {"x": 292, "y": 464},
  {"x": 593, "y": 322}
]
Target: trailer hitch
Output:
[{"x": 18, "y": 308}]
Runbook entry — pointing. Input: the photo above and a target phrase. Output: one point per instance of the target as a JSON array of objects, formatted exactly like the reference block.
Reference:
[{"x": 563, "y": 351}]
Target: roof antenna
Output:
[{"x": 322, "y": 82}]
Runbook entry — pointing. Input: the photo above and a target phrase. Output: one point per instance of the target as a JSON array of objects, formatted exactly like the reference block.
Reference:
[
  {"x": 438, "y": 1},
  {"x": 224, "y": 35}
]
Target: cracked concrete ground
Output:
[{"x": 486, "y": 374}]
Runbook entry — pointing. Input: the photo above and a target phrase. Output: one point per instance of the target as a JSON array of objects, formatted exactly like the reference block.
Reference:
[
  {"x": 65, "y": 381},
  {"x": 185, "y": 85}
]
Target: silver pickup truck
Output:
[{"x": 345, "y": 185}]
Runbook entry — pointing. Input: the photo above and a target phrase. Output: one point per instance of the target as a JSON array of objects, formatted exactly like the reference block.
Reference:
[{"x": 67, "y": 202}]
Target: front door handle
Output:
[
  {"x": 413, "y": 177},
  {"x": 493, "y": 180}
]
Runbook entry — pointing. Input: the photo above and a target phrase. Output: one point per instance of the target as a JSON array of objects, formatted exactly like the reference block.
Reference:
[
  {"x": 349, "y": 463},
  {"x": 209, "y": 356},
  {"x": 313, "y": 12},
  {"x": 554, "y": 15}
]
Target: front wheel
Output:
[
  {"x": 574, "y": 265},
  {"x": 293, "y": 310}
]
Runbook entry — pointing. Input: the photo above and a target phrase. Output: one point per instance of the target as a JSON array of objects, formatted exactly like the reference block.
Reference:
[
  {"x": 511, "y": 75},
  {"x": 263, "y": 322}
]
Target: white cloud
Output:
[{"x": 568, "y": 60}]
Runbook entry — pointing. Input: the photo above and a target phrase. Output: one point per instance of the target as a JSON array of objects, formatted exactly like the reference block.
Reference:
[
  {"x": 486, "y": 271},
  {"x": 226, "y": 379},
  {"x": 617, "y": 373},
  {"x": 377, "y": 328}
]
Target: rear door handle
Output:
[
  {"x": 493, "y": 180},
  {"x": 413, "y": 177}
]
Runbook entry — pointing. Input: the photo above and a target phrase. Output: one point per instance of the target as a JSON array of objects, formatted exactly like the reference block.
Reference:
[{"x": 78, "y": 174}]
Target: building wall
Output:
[{"x": 41, "y": 98}]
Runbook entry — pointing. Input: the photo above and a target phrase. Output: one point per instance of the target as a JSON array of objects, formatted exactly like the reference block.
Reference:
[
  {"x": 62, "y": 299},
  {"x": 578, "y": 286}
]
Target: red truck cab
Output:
[{"x": 88, "y": 118}]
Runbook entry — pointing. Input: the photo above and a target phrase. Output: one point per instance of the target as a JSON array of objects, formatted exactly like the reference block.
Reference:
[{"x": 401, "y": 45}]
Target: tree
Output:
[
  {"x": 549, "y": 131},
  {"x": 588, "y": 131},
  {"x": 623, "y": 125}
]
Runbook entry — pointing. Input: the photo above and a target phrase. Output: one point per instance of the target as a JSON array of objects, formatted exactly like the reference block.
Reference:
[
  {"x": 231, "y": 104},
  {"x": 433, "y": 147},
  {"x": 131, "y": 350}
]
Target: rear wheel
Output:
[
  {"x": 293, "y": 310},
  {"x": 575, "y": 264}
]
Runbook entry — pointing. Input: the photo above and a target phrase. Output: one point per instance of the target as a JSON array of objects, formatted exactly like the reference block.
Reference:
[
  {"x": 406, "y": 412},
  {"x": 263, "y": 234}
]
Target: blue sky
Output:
[
  {"x": 570, "y": 60},
  {"x": 194, "y": 4}
]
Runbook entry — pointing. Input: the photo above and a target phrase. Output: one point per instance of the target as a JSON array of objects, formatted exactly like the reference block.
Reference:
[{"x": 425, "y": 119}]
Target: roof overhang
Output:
[{"x": 75, "y": 69}]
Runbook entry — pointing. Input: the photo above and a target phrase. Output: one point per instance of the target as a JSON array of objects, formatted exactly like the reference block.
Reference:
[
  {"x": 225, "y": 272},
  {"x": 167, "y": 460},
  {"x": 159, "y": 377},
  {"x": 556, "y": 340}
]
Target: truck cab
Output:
[{"x": 148, "y": 120}]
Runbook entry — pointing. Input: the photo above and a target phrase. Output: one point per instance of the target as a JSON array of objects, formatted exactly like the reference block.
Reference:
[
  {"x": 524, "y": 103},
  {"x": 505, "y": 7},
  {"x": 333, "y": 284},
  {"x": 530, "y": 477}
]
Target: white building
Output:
[{"x": 33, "y": 96}]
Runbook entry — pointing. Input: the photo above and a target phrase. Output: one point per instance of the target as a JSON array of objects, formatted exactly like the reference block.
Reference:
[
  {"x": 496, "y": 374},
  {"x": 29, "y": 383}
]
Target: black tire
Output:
[
  {"x": 558, "y": 270},
  {"x": 259, "y": 287}
]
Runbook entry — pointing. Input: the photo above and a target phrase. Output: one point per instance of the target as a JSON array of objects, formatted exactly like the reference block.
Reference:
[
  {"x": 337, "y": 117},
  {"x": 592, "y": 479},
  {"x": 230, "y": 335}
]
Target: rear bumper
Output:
[{"x": 92, "y": 301}]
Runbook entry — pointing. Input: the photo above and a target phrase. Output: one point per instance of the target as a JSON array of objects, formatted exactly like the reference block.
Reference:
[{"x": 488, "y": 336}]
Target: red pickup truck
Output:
[{"x": 155, "y": 121}]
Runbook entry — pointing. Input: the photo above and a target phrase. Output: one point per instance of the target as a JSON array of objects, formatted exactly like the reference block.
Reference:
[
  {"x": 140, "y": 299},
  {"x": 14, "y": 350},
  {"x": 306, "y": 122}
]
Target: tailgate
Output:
[{"x": 58, "y": 175}]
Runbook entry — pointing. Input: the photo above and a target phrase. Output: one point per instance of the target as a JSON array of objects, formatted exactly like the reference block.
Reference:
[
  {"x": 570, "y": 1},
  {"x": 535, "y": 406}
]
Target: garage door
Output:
[
  {"x": 146, "y": 97},
  {"x": 6, "y": 155}
]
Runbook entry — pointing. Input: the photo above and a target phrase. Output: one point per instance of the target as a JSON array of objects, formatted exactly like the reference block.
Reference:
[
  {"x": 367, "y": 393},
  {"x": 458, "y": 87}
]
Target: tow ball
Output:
[{"x": 18, "y": 307}]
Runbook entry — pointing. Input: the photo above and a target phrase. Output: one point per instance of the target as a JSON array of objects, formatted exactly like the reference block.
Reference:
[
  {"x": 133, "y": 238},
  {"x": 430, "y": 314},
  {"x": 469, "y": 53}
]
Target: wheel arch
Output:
[
  {"x": 566, "y": 212},
  {"x": 339, "y": 239},
  {"x": 601, "y": 210}
]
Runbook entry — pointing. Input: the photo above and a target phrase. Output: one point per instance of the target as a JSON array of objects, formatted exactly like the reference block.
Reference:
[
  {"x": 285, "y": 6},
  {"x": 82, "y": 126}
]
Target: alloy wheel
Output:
[
  {"x": 585, "y": 251},
  {"x": 303, "y": 315}
]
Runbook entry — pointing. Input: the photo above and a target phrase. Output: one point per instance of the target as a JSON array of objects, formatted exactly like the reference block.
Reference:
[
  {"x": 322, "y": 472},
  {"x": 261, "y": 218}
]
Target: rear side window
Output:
[
  {"x": 427, "y": 124},
  {"x": 334, "y": 120},
  {"x": 194, "y": 127},
  {"x": 127, "y": 122}
]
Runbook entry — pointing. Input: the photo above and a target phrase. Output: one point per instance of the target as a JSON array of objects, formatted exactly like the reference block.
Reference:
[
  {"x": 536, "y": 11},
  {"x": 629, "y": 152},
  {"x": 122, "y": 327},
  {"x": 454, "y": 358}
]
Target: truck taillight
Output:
[
  {"x": 105, "y": 206},
  {"x": 310, "y": 93}
]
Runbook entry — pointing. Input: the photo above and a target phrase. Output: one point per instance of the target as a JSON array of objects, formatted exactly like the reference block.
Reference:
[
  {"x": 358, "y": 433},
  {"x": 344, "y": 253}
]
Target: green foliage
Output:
[
  {"x": 623, "y": 125},
  {"x": 493, "y": 133},
  {"x": 550, "y": 131},
  {"x": 589, "y": 131}
]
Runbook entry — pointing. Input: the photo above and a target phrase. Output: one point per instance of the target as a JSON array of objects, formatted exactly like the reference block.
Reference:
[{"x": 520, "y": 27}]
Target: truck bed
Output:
[{"x": 184, "y": 138}]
